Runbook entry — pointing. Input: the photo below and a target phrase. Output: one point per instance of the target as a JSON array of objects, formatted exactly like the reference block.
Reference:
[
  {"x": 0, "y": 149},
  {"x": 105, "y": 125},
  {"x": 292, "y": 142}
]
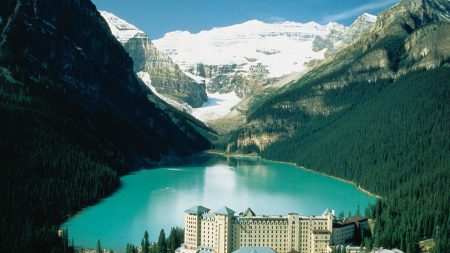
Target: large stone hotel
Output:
[{"x": 224, "y": 232}]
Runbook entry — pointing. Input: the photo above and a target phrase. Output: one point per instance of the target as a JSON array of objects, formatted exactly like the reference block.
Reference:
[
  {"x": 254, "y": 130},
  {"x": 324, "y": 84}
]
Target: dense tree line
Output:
[
  {"x": 392, "y": 137},
  {"x": 163, "y": 245},
  {"x": 46, "y": 175},
  {"x": 50, "y": 168},
  {"x": 71, "y": 120}
]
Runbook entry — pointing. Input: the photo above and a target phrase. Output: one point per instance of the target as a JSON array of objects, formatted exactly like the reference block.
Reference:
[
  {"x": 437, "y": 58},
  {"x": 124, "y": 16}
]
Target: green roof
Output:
[
  {"x": 327, "y": 211},
  {"x": 249, "y": 213},
  {"x": 255, "y": 250},
  {"x": 197, "y": 210},
  {"x": 225, "y": 211}
]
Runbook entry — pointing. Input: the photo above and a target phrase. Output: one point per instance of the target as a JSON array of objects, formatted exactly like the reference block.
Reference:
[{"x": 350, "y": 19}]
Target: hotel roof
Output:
[
  {"x": 388, "y": 251},
  {"x": 249, "y": 213},
  {"x": 255, "y": 250},
  {"x": 197, "y": 210},
  {"x": 355, "y": 218},
  {"x": 225, "y": 211},
  {"x": 352, "y": 221},
  {"x": 327, "y": 211}
]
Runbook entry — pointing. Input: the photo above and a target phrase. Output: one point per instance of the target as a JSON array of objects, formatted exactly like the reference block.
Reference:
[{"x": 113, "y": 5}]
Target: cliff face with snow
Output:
[
  {"x": 122, "y": 30},
  {"x": 229, "y": 63},
  {"x": 282, "y": 48},
  {"x": 242, "y": 59},
  {"x": 162, "y": 75}
]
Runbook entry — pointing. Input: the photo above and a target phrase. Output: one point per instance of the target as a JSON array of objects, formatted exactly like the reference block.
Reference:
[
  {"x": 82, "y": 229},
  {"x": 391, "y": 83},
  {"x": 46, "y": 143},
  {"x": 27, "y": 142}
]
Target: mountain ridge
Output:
[
  {"x": 74, "y": 118},
  {"x": 246, "y": 58},
  {"x": 170, "y": 83},
  {"x": 374, "y": 113}
]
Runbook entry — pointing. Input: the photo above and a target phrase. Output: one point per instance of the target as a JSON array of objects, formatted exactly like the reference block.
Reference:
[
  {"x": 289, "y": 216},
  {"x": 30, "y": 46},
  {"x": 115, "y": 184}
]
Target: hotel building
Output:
[
  {"x": 224, "y": 232},
  {"x": 350, "y": 230}
]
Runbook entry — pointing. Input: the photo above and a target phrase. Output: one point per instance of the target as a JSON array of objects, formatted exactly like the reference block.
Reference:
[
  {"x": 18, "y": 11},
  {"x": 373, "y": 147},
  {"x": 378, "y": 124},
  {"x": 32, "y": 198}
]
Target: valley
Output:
[
  {"x": 234, "y": 65},
  {"x": 104, "y": 127}
]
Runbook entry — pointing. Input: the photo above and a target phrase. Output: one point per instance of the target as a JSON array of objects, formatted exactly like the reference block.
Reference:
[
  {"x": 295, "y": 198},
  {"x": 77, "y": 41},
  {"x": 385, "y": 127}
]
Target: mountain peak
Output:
[
  {"x": 312, "y": 23},
  {"x": 254, "y": 22},
  {"x": 368, "y": 17},
  {"x": 333, "y": 25},
  {"x": 410, "y": 15},
  {"x": 120, "y": 28}
]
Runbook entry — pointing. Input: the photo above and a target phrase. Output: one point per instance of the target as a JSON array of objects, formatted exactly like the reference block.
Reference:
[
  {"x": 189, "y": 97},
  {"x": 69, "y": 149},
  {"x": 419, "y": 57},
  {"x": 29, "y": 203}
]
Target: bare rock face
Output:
[
  {"x": 245, "y": 58},
  {"x": 361, "y": 25},
  {"x": 166, "y": 78}
]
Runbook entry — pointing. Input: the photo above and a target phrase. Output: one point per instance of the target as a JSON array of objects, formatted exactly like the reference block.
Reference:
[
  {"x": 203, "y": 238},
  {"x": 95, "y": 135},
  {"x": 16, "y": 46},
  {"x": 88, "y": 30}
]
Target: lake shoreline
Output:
[
  {"x": 211, "y": 179},
  {"x": 221, "y": 153}
]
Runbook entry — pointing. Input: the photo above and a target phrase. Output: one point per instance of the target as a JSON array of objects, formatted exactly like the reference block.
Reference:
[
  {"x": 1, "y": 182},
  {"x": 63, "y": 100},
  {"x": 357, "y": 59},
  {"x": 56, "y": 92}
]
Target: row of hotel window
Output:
[{"x": 304, "y": 223}]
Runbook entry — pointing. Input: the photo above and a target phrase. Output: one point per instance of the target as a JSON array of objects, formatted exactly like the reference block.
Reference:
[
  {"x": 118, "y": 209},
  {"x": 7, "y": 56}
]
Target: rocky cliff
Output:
[
  {"x": 166, "y": 77},
  {"x": 245, "y": 59}
]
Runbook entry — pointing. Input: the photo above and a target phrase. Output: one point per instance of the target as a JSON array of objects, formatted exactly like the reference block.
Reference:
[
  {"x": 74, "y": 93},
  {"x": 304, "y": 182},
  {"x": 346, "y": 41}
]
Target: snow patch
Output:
[
  {"x": 122, "y": 30},
  {"x": 197, "y": 79},
  {"x": 282, "y": 47},
  {"x": 145, "y": 77},
  {"x": 217, "y": 106},
  {"x": 368, "y": 17}
]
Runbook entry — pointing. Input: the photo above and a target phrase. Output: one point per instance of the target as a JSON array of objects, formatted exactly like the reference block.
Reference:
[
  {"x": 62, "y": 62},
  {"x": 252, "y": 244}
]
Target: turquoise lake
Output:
[{"x": 156, "y": 198}]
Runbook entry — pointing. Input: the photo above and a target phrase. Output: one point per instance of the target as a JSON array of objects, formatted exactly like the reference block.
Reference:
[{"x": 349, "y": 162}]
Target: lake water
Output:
[{"x": 155, "y": 199}]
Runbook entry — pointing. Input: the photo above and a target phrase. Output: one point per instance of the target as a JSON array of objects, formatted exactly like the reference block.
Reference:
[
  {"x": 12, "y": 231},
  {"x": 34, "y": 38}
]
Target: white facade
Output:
[{"x": 223, "y": 232}]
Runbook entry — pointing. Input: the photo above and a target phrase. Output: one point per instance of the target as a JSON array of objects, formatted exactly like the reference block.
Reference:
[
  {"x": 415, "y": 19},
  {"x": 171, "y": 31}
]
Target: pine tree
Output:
[
  {"x": 171, "y": 240},
  {"x": 145, "y": 242},
  {"x": 99, "y": 247},
  {"x": 131, "y": 248},
  {"x": 162, "y": 245},
  {"x": 153, "y": 248}
]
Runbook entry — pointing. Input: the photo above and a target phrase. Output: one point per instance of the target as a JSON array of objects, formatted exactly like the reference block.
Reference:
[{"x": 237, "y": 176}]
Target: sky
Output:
[{"x": 157, "y": 17}]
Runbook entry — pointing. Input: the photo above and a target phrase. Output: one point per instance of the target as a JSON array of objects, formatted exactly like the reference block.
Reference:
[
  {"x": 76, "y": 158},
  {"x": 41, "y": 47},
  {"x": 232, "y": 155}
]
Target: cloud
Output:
[{"x": 358, "y": 10}]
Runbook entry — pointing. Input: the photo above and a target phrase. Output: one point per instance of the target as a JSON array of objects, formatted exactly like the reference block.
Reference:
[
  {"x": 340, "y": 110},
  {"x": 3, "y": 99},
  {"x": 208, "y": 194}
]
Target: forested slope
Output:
[
  {"x": 73, "y": 117},
  {"x": 396, "y": 143},
  {"x": 377, "y": 114}
]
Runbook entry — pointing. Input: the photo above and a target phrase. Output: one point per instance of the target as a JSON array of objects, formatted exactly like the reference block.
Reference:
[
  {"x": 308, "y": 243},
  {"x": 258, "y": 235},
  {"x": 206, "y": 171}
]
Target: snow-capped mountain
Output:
[
  {"x": 121, "y": 29},
  {"x": 155, "y": 68},
  {"x": 234, "y": 62},
  {"x": 241, "y": 59},
  {"x": 360, "y": 25},
  {"x": 368, "y": 17},
  {"x": 282, "y": 47}
]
